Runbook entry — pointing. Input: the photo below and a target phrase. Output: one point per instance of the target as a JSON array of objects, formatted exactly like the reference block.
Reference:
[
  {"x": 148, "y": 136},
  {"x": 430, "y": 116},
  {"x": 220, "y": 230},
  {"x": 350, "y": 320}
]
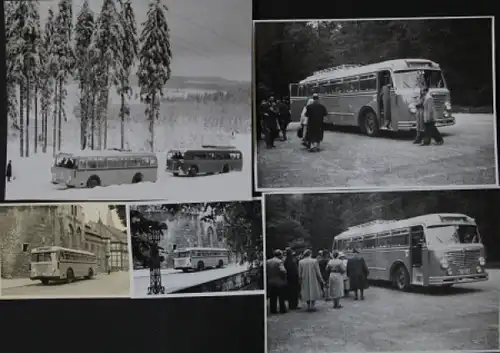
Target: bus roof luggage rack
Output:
[
  {"x": 336, "y": 68},
  {"x": 371, "y": 223},
  {"x": 220, "y": 147}
]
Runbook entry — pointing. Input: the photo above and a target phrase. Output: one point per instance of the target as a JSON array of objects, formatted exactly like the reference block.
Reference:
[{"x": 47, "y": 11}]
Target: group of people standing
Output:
[
  {"x": 274, "y": 117},
  {"x": 328, "y": 276}
]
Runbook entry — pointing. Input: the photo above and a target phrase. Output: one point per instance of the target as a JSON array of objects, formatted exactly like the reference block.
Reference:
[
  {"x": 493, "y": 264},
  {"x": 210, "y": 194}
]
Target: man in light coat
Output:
[
  {"x": 311, "y": 280},
  {"x": 430, "y": 115}
]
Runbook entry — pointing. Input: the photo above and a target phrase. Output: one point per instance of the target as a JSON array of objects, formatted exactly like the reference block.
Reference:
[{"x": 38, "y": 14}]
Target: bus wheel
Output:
[
  {"x": 137, "y": 178},
  {"x": 370, "y": 123},
  {"x": 401, "y": 278},
  {"x": 185, "y": 270},
  {"x": 221, "y": 264},
  {"x": 200, "y": 266},
  {"x": 225, "y": 169},
  {"x": 91, "y": 274},
  {"x": 45, "y": 281},
  {"x": 70, "y": 276},
  {"x": 193, "y": 171},
  {"x": 93, "y": 181}
]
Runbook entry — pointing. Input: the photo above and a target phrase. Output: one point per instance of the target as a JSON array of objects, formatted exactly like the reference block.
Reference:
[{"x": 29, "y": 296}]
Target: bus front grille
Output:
[{"x": 462, "y": 259}]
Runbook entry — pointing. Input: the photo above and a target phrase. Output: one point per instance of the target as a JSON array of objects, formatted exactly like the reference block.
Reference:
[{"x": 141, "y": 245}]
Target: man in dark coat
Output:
[
  {"x": 323, "y": 259},
  {"x": 292, "y": 278},
  {"x": 315, "y": 113},
  {"x": 8, "y": 171},
  {"x": 270, "y": 122},
  {"x": 283, "y": 118},
  {"x": 276, "y": 282},
  {"x": 357, "y": 271}
]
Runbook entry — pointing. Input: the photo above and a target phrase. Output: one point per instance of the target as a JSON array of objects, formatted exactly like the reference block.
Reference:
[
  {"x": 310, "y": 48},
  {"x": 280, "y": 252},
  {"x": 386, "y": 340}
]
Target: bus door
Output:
[
  {"x": 418, "y": 253},
  {"x": 385, "y": 78},
  {"x": 298, "y": 100}
]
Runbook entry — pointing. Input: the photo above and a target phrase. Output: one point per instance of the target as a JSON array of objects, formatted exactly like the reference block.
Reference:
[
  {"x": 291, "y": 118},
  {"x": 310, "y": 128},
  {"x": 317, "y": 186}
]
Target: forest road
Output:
[
  {"x": 349, "y": 159},
  {"x": 464, "y": 317}
]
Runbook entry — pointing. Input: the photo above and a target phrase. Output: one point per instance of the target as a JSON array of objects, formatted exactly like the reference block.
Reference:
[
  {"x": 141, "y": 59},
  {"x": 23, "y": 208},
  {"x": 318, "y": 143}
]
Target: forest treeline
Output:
[
  {"x": 98, "y": 51},
  {"x": 242, "y": 224},
  {"x": 313, "y": 220},
  {"x": 288, "y": 52}
]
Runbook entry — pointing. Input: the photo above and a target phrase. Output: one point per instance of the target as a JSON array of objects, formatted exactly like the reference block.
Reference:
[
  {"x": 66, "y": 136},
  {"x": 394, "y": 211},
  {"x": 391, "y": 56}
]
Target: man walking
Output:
[
  {"x": 357, "y": 271},
  {"x": 8, "y": 171},
  {"x": 276, "y": 282},
  {"x": 430, "y": 130},
  {"x": 310, "y": 280}
]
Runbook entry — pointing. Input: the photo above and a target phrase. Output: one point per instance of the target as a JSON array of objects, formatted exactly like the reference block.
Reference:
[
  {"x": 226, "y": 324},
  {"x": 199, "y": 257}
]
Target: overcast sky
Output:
[
  {"x": 94, "y": 211},
  {"x": 208, "y": 37}
]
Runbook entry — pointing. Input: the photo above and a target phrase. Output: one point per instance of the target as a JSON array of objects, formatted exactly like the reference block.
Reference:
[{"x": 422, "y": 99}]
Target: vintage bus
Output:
[
  {"x": 103, "y": 168},
  {"x": 429, "y": 250},
  {"x": 351, "y": 94},
  {"x": 206, "y": 160},
  {"x": 54, "y": 263},
  {"x": 198, "y": 259}
]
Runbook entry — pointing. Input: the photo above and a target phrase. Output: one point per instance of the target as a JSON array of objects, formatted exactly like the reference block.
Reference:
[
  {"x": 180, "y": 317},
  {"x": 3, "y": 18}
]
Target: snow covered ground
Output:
[
  {"x": 174, "y": 280},
  {"x": 181, "y": 125}
]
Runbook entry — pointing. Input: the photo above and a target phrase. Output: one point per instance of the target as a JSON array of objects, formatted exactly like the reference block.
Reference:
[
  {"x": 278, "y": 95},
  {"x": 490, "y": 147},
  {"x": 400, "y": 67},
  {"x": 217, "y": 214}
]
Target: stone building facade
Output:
[{"x": 23, "y": 228}]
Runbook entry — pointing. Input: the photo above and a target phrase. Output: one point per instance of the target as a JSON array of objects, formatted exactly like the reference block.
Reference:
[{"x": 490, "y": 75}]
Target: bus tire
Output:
[
  {"x": 220, "y": 264},
  {"x": 70, "y": 275},
  {"x": 45, "y": 281},
  {"x": 200, "y": 266},
  {"x": 93, "y": 181},
  {"x": 369, "y": 123},
  {"x": 193, "y": 171},
  {"x": 401, "y": 278},
  {"x": 137, "y": 178},
  {"x": 90, "y": 273},
  {"x": 185, "y": 270},
  {"x": 225, "y": 169}
]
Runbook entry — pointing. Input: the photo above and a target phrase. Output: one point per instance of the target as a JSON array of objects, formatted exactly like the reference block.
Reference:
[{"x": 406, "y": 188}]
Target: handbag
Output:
[{"x": 300, "y": 132}]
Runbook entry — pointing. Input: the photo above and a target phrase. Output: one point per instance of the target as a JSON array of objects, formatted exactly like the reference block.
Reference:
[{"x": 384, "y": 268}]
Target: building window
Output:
[{"x": 25, "y": 247}]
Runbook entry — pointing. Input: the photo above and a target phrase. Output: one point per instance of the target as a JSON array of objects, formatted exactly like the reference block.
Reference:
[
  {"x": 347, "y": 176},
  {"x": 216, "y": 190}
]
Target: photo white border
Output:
[
  {"x": 496, "y": 185},
  {"x": 191, "y": 295},
  {"x": 76, "y": 296},
  {"x": 308, "y": 192},
  {"x": 264, "y": 264}
]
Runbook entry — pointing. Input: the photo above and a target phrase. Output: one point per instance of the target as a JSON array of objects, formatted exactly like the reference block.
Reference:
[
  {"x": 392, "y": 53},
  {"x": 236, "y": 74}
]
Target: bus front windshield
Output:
[
  {"x": 66, "y": 162},
  {"x": 452, "y": 234},
  {"x": 42, "y": 257},
  {"x": 413, "y": 79},
  {"x": 175, "y": 155},
  {"x": 183, "y": 254}
]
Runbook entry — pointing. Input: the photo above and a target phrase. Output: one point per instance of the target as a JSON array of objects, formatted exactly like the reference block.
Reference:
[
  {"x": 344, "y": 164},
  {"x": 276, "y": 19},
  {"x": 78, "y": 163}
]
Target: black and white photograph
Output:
[
  {"x": 375, "y": 103},
  {"x": 64, "y": 251},
  {"x": 197, "y": 249},
  {"x": 383, "y": 271},
  {"x": 128, "y": 100}
]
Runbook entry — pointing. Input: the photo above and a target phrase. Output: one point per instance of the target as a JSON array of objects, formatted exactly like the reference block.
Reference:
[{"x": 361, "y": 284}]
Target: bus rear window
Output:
[
  {"x": 65, "y": 162},
  {"x": 41, "y": 257}
]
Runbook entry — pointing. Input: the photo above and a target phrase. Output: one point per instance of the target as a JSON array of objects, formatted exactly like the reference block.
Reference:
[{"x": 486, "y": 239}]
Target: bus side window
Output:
[
  {"x": 92, "y": 164},
  {"x": 82, "y": 164},
  {"x": 101, "y": 163},
  {"x": 400, "y": 238},
  {"x": 368, "y": 83},
  {"x": 384, "y": 240},
  {"x": 132, "y": 162},
  {"x": 114, "y": 162},
  {"x": 369, "y": 242},
  {"x": 152, "y": 162}
]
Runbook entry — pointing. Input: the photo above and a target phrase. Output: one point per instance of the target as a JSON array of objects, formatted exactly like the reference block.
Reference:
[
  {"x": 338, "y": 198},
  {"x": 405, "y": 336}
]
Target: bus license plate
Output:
[{"x": 464, "y": 271}]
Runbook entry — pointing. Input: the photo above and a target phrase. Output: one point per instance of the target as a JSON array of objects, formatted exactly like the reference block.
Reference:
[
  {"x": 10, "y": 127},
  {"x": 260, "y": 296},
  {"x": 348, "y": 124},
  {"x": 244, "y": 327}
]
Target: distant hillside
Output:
[{"x": 202, "y": 83}]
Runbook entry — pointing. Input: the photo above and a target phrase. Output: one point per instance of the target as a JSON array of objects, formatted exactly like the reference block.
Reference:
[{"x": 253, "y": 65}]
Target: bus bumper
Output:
[
  {"x": 412, "y": 124},
  {"x": 178, "y": 171},
  {"x": 444, "y": 280},
  {"x": 50, "y": 278}
]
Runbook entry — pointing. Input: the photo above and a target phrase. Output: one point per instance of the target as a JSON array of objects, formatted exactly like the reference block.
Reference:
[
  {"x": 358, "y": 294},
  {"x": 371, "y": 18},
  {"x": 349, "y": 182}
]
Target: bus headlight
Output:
[
  {"x": 479, "y": 269},
  {"x": 482, "y": 261},
  {"x": 412, "y": 107},
  {"x": 444, "y": 263},
  {"x": 447, "y": 105}
]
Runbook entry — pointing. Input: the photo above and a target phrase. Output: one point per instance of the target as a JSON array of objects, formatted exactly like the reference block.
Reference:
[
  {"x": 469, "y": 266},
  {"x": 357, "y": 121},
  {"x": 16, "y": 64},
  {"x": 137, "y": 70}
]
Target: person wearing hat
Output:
[
  {"x": 276, "y": 282},
  {"x": 303, "y": 123},
  {"x": 346, "y": 279},
  {"x": 310, "y": 280},
  {"x": 292, "y": 279},
  {"x": 358, "y": 272},
  {"x": 430, "y": 116},
  {"x": 336, "y": 270},
  {"x": 315, "y": 113}
]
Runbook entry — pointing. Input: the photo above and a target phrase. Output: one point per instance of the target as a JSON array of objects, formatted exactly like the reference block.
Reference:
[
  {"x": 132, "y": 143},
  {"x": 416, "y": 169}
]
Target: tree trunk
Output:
[
  {"x": 36, "y": 118},
  {"x": 98, "y": 122},
  {"x": 93, "y": 112},
  {"x": 122, "y": 116},
  {"x": 83, "y": 116},
  {"x": 54, "y": 120},
  {"x": 59, "y": 119},
  {"x": 28, "y": 101},
  {"x": 105, "y": 109},
  {"x": 152, "y": 122},
  {"x": 21, "y": 118}
]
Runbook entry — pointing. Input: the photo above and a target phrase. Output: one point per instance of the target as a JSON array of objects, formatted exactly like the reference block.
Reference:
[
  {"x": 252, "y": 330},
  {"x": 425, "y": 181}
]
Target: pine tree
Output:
[
  {"x": 63, "y": 60},
  {"x": 128, "y": 55},
  {"x": 83, "y": 36},
  {"x": 32, "y": 60},
  {"x": 12, "y": 72},
  {"x": 155, "y": 57},
  {"x": 106, "y": 50},
  {"x": 46, "y": 77}
]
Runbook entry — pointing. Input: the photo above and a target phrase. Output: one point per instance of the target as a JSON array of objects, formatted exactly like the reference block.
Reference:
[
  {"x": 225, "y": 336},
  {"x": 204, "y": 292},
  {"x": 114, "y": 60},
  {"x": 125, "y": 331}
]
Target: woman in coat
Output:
[
  {"x": 303, "y": 123},
  {"x": 336, "y": 281},
  {"x": 346, "y": 279}
]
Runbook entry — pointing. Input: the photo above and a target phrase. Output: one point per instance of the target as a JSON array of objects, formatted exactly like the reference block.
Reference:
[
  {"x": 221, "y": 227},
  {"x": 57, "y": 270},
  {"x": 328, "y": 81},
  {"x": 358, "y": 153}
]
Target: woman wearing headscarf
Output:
[
  {"x": 310, "y": 280},
  {"x": 336, "y": 281},
  {"x": 303, "y": 123}
]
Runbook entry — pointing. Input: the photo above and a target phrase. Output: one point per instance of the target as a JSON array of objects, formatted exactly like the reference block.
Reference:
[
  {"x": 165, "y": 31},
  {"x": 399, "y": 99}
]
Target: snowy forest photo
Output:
[{"x": 125, "y": 76}]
